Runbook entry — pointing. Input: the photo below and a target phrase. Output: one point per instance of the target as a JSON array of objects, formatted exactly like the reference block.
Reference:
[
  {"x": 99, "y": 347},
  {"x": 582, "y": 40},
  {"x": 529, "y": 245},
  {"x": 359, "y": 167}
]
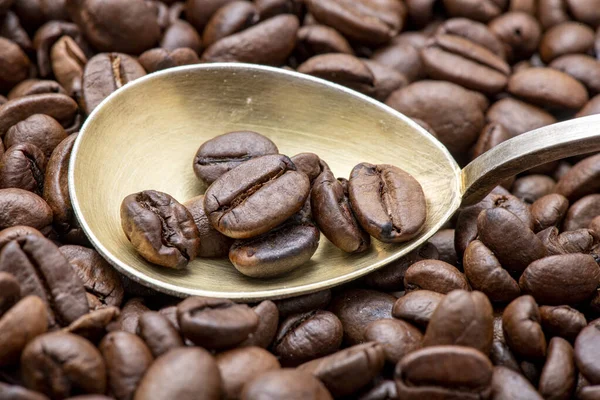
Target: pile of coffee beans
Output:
[
  {"x": 274, "y": 206},
  {"x": 502, "y": 303}
]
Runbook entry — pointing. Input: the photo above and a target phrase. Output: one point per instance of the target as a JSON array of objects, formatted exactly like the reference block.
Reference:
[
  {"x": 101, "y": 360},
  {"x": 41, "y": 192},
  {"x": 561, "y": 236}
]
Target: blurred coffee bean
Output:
[
  {"x": 386, "y": 79},
  {"x": 15, "y": 392},
  {"x": 582, "y": 212},
  {"x": 417, "y": 307},
  {"x": 473, "y": 31},
  {"x": 397, "y": 337},
  {"x": 477, "y": 10},
  {"x": 508, "y": 384},
  {"x": 403, "y": 58},
  {"x": 552, "y": 12},
  {"x": 131, "y": 312},
  {"x": 285, "y": 384},
  {"x": 582, "y": 67},
  {"x": 181, "y": 34},
  {"x": 229, "y": 19},
  {"x": 566, "y": 38},
  {"x": 35, "y": 86},
  {"x": 586, "y": 351},
  {"x": 94, "y": 325},
  {"x": 548, "y": 211},
  {"x": 517, "y": 116},
  {"x": 23, "y": 166},
  {"x": 158, "y": 333},
  {"x": 443, "y": 240},
  {"x": 48, "y": 35},
  {"x": 522, "y": 330},
  {"x": 558, "y": 377},
  {"x": 199, "y": 12},
  {"x": 22, "y": 207},
  {"x": 14, "y": 65},
  {"x": 491, "y": 135},
  {"x": 313, "y": 40},
  {"x": 344, "y": 69},
  {"x": 520, "y": 33},
  {"x": 58, "y": 106},
  {"x": 562, "y": 321},
  {"x": 11, "y": 28},
  {"x": 304, "y": 303},
  {"x": 581, "y": 180},
  {"x": 10, "y": 291},
  {"x": 434, "y": 275},
  {"x": 531, "y": 187},
  {"x": 158, "y": 59}
]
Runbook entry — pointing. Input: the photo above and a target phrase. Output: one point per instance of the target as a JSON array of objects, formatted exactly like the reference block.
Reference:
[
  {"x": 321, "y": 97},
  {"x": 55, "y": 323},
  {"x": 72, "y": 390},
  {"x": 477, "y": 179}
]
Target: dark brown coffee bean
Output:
[
  {"x": 501, "y": 355},
  {"x": 199, "y": 12},
  {"x": 548, "y": 211},
  {"x": 485, "y": 273},
  {"x": 60, "y": 364},
  {"x": 566, "y": 38},
  {"x": 491, "y": 135},
  {"x": 444, "y": 372},
  {"x": 212, "y": 242},
  {"x": 94, "y": 325},
  {"x": 68, "y": 61},
  {"x": 304, "y": 303},
  {"x": 21, "y": 207},
  {"x": 386, "y": 80},
  {"x": 402, "y": 57},
  {"x": 562, "y": 321},
  {"x": 586, "y": 352},
  {"x": 473, "y": 31},
  {"x": 333, "y": 215},
  {"x": 304, "y": 337},
  {"x": 531, "y": 187},
  {"x": 582, "y": 212},
  {"x": 183, "y": 374},
  {"x": 160, "y": 229},
  {"x": 127, "y": 358},
  {"x": 343, "y": 69},
  {"x": 35, "y": 86},
  {"x": 358, "y": 365},
  {"x": 443, "y": 240},
  {"x": 357, "y": 308},
  {"x": 15, "y": 392},
  {"x": 285, "y": 384},
  {"x": 181, "y": 34},
  {"x": 517, "y": 116},
  {"x": 384, "y": 390},
  {"x": 239, "y": 366},
  {"x": 268, "y": 320},
  {"x": 230, "y": 19},
  {"x": 48, "y": 35},
  {"x": 58, "y": 106},
  {"x": 457, "y": 122},
  {"x": 13, "y": 233},
  {"x": 508, "y": 384},
  {"x": 532, "y": 85},
  {"x": 40, "y": 130},
  {"x": 579, "y": 241},
  {"x": 582, "y": 67},
  {"x": 10, "y": 291},
  {"x": 594, "y": 227},
  {"x": 130, "y": 315},
  {"x": 417, "y": 307},
  {"x": 14, "y": 65},
  {"x": 320, "y": 39},
  {"x": 158, "y": 333},
  {"x": 520, "y": 33},
  {"x": 434, "y": 275},
  {"x": 558, "y": 377},
  {"x": 232, "y": 201},
  {"x": 387, "y": 201},
  {"x": 24, "y": 321},
  {"x": 561, "y": 279},
  {"x": 11, "y": 28},
  {"x": 215, "y": 323},
  {"x": 581, "y": 180},
  {"x": 106, "y": 72},
  {"x": 472, "y": 9},
  {"x": 269, "y": 42},
  {"x": 158, "y": 59},
  {"x": 363, "y": 21},
  {"x": 23, "y": 166},
  {"x": 42, "y": 270},
  {"x": 308, "y": 163},
  {"x": 397, "y": 337},
  {"x": 522, "y": 330}
]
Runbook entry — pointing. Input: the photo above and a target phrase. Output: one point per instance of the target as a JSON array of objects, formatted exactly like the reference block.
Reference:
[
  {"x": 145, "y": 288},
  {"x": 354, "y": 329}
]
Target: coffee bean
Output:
[
  {"x": 199, "y": 12},
  {"x": 285, "y": 384},
  {"x": 269, "y": 42},
  {"x": 562, "y": 321},
  {"x": 384, "y": 390},
  {"x": 485, "y": 273},
  {"x": 522, "y": 330},
  {"x": 387, "y": 201},
  {"x": 60, "y": 364},
  {"x": 304, "y": 337},
  {"x": 333, "y": 215},
  {"x": 508, "y": 384},
  {"x": 239, "y": 366},
  {"x": 22, "y": 207},
  {"x": 582, "y": 212},
  {"x": 13, "y": 233},
  {"x": 479, "y": 11},
  {"x": 14, "y": 392},
  {"x": 35, "y": 86},
  {"x": 386, "y": 80},
  {"x": 531, "y": 187},
  {"x": 586, "y": 351},
  {"x": 582, "y": 67},
  {"x": 566, "y": 38},
  {"x": 10, "y": 292},
  {"x": 304, "y": 303},
  {"x": 517, "y": 116},
  {"x": 343, "y": 69},
  {"x": 595, "y": 227},
  {"x": 313, "y": 40},
  {"x": 443, "y": 240},
  {"x": 579, "y": 241},
  {"x": 11, "y": 28},
  {"x": 68, "y": 61},
  {"x": 131, "y": 313},
  {"x": 581, "y": 180},
  {"x": 160, "y": 229},
  {"x": 402, "y": 57},
  {"x": 40, "y": 130},
  {"x": 181, "y": 34},
  {"x": 19, "y": 325},
  {"x": 434, "y": 275},
  {"x": 23, "y": 166},
  {"x": 58, "y": 106},
  {"x": 14, "y": 65},
  {"x": 357, "y": 308},
  {"x": 268, "y": 320},
  {"x": 417, "y": 307},
  {"x": 558, "y": 377},
  {"x": 215, "y": 323},
  {"x": 158, "y": 333},
  {"x": 309, "y": 164},
  {"x": 444, "y": 372},
  {"x": 358, "y": 364},
  {"x": 127, "y": 358},
  {"x": 230, "y": 19},
  {"x": 184, "y": 374},
  {"x": 397, "y": 337},
  {"x": 552, "y": 12},
  {"x": 271, "y": 8},
  {"x": 548, "y": 211},
  {"x": 159, "y": 59},
  {"x": 94, "y": 325},
  {"x": 520, "y": 32},
  {"x": 473, "y": 31},
  {"x": 232, "y": 202}
]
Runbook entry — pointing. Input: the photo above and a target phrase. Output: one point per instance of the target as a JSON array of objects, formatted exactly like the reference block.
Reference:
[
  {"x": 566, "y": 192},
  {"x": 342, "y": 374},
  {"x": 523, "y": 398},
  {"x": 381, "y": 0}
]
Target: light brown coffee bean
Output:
[
  {"x": 520, "y": 32},
  {"x": 508, "y": 384},
  {"x": 477, "y": 10},
  {"x": 552, "y": 12},
  {"x": 68, "y": 61},
  {"x": 35, "y": 86}
]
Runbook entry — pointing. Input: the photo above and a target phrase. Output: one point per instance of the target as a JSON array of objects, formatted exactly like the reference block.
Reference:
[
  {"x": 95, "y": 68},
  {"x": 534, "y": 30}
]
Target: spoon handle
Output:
[{"x": 540, "y": 146}]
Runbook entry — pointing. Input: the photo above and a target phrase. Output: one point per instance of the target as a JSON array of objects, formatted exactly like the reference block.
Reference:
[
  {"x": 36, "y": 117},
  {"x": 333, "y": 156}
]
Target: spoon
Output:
[{"x": 145, "y": 135}]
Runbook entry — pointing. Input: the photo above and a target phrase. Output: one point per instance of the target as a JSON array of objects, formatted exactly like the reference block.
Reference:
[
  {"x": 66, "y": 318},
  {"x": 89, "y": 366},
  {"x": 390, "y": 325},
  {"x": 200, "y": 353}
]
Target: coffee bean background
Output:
[{"x": 503, "y": 303}]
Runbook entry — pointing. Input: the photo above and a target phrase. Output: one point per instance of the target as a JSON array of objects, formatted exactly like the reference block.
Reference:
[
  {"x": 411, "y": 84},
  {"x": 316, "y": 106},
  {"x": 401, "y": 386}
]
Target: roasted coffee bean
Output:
[
  {"x": 520, "y": 33},
  {"x": 106, "y": 72},
  {"x": 68, "y": 61},
  {"x": 58, "y": 106},
  {"x": 343, "y": 69},
  {"x": 48, "y": 35},
  {"x": 276, "y": 252},
  {"x": 233, "y": 201},
  {"x": 475, "y": 32},
  {"x": 319, "y": 39},
  {"x": 508, "y": 384},
  {"x": 304, "y": 303},
  {"x": 158, "y": 333},
  {"x": 548, "y": 211},
  {"x": 581, "y": 180},
  {"x": 579, "y": 241},
  {"x": 588, "y": 392},
  {"x": 10, "y": 291},
  {"x": 485, "y": 273},
  {"x": 19, "y": 325},
  {"x": 479, "y": 11},
  {"x": 397, "y": 337},
  {"x": 586, "y": 353},
  {"x": 367, "y": 22},
  {"x": 582, "y": 212},
  {"x": 40, "y": 130},
  {"x": 402, "y": 57},
  {"x": 94, "y": 325},
  {"x": 595, "y": 227},
  {"x": 562, "y": 321},
  {"x": 199, "y": 12},
  {"x": 13, "y": 233},
  {"x": 181, "y": 34},
  {"x": 559, "y": 375},
  {"x": 35, "y": 86},
  {"x": 481, "y": 69},
  {"x": 444, "y": 372},
  {"x": 160, "y": 229},
  {"x": 21, "y": 207},
  {"x": 387, "y": 201},
  {"x": 384, "y": 390},
  {"x": 14, "y": 65},
  {"x": 511, "y": 241},
  {"x": 561, "y": 279},
  {"x": 127, "y": 358},
  {"x": 61, "y": 364},
  {"x": 531, "y": 187},
  {"x": 269, "y": 42},
  {"x": 215, "y": 323},
  {"x": 131, "y": 312},
  {"x": 309, "y": 164},
  {"x": 357, "y": 364},
  {"x": 159, "y": 59},
  {"x": 15, "y": 392},
  {"x": 334, "y": 216},
  {"x": 184, "y": 374},
  {"x": 517, "y": 116},
  {"x": 239, "y": 366},
  {"x": 304, "y": 337},
  {"x": 457, "y": 122},
  {"x": 434, "y": 275},
  {"x": 268, "y": 320},
  {"x": 522, "y": 330},
  {"x": 11, "y": 28},
  {"x": 443, "y": 240},
  {"x": 531, "y": 85},
  {"x": 582, "y": 67},
  {"x": 357, "y": 308},
  {"x": 23, "y": 166},
  {"x": 212, "y": 242},
  {"x": 42, "y": 270},
  {"x": 285, "y": 384},
  {"x": 552, "y": 12},
  {"x": 566, "y": 38},
  {"x": 98, "y": 276},
  {"x": 386, "y": 80},
  {"x": 230, "y": 19},
  {"x": 417, "y": 307}
]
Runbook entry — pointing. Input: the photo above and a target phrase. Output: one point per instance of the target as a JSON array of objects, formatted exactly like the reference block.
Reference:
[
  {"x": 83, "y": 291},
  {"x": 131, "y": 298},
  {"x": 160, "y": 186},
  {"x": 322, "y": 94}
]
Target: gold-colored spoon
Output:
[{"x": 145, "y": 136}]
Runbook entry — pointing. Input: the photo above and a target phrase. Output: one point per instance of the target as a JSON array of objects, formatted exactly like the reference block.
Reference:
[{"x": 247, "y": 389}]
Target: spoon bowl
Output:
[{"x": 145, "y": 135}]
